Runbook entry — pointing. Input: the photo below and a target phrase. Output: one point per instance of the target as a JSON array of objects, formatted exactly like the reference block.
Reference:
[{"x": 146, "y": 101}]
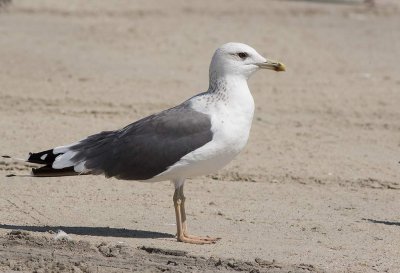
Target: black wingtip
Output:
[
  {"x": 46, "y": 157},
  {"x": 48, "y": 171}
]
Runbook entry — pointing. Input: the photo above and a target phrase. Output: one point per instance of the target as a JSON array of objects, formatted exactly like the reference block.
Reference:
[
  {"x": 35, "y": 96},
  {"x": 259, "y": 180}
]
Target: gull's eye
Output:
[{"x": 243, "y": 55}]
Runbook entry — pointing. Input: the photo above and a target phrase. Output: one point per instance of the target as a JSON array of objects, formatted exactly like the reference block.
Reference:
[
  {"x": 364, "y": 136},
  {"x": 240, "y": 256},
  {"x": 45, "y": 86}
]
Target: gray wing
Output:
[{"x": 146, "y": 147}]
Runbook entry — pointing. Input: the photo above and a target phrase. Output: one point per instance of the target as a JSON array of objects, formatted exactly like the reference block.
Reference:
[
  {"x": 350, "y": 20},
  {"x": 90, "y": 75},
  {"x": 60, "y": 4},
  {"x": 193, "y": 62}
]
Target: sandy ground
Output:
[{"x": 315, "y": 190}]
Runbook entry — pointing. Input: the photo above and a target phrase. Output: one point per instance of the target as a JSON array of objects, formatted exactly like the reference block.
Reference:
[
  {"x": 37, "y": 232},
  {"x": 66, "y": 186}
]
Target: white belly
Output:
[{"x": 231, "y": 128}]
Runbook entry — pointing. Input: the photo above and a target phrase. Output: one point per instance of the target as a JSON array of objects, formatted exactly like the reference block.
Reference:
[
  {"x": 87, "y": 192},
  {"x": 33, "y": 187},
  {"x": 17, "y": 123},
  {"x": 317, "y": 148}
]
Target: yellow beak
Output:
[{"x": 273, "y": 65}]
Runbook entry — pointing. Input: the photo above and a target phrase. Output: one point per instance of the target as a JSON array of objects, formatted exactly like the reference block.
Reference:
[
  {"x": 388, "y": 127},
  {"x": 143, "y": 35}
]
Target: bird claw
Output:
[{"x": 199, "y": 240}]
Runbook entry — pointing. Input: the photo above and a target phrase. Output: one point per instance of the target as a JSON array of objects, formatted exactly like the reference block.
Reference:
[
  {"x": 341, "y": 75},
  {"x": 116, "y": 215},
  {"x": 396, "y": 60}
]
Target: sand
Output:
[{"x": 315, "y": 190}]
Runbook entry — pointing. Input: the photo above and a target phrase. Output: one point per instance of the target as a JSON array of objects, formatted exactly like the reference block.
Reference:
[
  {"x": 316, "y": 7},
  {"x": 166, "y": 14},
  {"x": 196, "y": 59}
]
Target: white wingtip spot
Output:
[
  {"x": 43, "y": 157},
  {"x": 64, "y": 160}
]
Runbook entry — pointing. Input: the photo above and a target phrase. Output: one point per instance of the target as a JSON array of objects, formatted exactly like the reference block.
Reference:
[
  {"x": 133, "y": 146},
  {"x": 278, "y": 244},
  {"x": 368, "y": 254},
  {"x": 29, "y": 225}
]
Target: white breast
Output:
[{"x": 231, "y": 119}]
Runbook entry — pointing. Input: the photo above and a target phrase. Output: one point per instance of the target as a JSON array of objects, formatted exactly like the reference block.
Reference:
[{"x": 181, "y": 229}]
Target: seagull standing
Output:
[{"x": 196, "y": 137}]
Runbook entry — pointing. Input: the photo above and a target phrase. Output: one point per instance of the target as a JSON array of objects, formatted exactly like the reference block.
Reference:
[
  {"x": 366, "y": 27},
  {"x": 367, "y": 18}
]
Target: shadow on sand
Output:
[
  {"x": 94, "y": 231},
  {"x": 389, "y": 223},
  {"x": 340, "y": 2}
]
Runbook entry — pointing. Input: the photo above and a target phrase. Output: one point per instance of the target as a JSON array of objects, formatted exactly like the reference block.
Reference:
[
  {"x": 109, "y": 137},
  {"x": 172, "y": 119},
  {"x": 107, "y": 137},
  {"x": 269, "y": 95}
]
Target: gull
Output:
[{"x": 197, "y": 137}]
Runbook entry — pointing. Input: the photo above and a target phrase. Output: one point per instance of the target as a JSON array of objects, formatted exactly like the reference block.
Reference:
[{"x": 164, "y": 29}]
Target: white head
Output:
[{"x": 240, "y": 60}]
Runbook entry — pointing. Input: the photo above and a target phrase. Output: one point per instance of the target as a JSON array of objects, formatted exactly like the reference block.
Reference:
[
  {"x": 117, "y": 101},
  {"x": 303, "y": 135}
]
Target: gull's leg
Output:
[
  {"x": 177, "y": 206},
  {"x": 180, "y": 214},
  {"x": 183, "y": 212},
  {"x": 179, "y": 226},
  {"x": 184, "y": 224}
]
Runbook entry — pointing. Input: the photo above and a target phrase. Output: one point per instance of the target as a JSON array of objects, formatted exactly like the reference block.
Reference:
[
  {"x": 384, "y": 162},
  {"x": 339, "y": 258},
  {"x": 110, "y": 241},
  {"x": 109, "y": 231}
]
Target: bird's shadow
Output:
[
  {"x": 94, "y": 231},
  {"x": 389, "y": 223},
  {"x": 340, "y": 2}
]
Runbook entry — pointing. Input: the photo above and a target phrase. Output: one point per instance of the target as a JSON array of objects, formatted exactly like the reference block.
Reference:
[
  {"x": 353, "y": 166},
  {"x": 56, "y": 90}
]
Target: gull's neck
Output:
[
  {"x": 223, "y": 83},
  {"x": 232, "y": 90}
]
